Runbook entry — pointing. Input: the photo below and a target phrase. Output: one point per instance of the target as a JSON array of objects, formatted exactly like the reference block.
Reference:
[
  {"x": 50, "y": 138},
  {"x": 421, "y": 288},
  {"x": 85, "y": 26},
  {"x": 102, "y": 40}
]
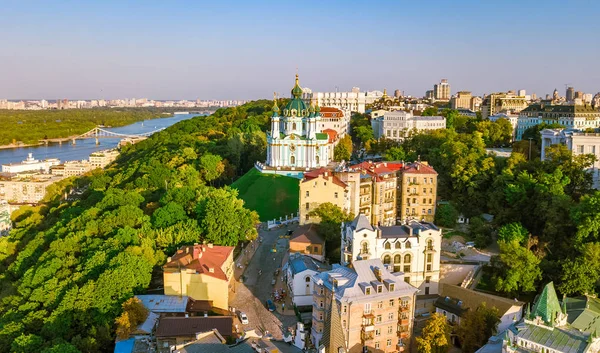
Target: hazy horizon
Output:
[{"x": 248, "y": 50}]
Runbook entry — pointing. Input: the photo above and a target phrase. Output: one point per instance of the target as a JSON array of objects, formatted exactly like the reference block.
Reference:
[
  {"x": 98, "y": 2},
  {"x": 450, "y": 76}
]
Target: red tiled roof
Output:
[
  {"x": 332, "y": 134},
  {"x": 326, "y": 173},
  {"x": 418, "y": 168},
  {"x": 306, "y": 234},
  {"x": 379, "y": 168},
  {"x": 330, "y": 112},
  {"x": 189, "y": 326},
  {"x": 202, "y": 258}
]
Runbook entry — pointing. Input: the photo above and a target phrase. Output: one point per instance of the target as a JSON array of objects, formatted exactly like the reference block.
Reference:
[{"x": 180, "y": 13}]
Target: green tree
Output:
[
  {"x": 580, "y": 275},
  {"x": 395, "y": 153},
  {"x": 168, "y": 215},
  {"x": 446, "y": 215},
  {"x": 212, "y": 166},
  {"x": 519, "y": 268},
  {"x": 134, "y": 314},
  {"x": 513, "y": 231},
  {"x": 477, "y": 325},
  {"x": 435, "y": 337},
  {"x": 364, "y": 133},
  {"x": 223, "y": 218},
  {"x": 451, "y": 117},
  {"x": 343, "y": 150},
  {"x": 331, "y": 218},
  {"x": 430, "y": 111},
  {"x": 27, "y": 343},
  {"x": 587, "y": 218}
]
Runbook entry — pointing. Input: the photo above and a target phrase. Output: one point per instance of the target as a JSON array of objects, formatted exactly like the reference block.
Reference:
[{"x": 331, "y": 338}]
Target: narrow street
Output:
[{"x": 251, "y": 295}]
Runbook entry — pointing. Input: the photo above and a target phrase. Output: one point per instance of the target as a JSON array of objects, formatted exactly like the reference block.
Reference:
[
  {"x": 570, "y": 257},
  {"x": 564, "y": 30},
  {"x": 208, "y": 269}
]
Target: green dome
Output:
[{"x": 296, "y": 106}]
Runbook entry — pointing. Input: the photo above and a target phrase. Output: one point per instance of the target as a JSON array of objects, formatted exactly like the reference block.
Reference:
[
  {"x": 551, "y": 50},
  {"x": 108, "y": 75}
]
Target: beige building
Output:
[
  {"x": 441, "y": 91},
  {"x": 101, "y": 159},
  {"x": 398, "y": 124},
  {"x": 418, "y": 190},
  {"x": 461, "y": 100},
  {"x": 305, "y": 240},
  {"x": 335, "y": 119},
  {"x": 26, "y": 188},
  {"x": 366, "y": 308},
  {"x": 411, "y": 251},
  {"x": 502, "y": 102},
  {"x": 320, "y": 186},
  {"x": 202, "y": 272}
]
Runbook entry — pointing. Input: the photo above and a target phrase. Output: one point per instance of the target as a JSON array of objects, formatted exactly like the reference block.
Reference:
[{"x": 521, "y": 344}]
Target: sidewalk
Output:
[{"x": 244, "y": 258}]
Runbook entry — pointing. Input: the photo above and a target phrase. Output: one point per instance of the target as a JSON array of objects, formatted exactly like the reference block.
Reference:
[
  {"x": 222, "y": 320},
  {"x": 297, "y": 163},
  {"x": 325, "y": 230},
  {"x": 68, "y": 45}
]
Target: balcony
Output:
[
  {"x": 404, "y": 308},
  {"x": 404, "y": 322},
  {"x": 367, "y": 336}
]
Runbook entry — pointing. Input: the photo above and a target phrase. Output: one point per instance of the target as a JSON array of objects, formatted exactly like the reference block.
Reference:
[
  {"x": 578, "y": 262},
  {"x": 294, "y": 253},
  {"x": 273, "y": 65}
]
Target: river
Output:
[{"x": 68, "y": 152}]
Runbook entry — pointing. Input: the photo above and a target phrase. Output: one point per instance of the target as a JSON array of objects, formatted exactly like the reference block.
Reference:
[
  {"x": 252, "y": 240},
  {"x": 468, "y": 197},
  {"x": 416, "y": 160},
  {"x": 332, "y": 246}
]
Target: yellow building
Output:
[
  {"x": 502, "y": 102},
  {"x": 202, "y": 272},
  {"x": 320, "y": 186},
  {"x": 462, "y": 100},
  {"x": 418, "y": 192}
]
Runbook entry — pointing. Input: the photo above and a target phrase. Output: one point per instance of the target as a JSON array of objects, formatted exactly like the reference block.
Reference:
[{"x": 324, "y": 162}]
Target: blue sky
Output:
[{"x": 248, "y": 49}]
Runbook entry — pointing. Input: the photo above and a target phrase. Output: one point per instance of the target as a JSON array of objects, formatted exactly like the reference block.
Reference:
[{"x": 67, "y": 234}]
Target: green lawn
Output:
[{"x": 272, "y": 196}]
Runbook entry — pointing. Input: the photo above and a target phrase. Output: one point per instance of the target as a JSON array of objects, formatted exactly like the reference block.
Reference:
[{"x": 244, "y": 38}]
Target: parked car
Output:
[
  {"x": 270, "y": 305},
  {"x": 243, "y": 318}
]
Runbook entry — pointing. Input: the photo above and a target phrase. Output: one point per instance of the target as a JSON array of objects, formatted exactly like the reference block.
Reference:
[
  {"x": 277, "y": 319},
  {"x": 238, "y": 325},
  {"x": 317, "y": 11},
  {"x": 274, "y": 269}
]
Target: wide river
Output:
[{"x": 68, "y": 152}]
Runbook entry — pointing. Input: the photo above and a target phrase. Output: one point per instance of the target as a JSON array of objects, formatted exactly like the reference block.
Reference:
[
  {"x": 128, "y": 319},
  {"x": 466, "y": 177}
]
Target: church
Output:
[{"x": 296, "y": 140}]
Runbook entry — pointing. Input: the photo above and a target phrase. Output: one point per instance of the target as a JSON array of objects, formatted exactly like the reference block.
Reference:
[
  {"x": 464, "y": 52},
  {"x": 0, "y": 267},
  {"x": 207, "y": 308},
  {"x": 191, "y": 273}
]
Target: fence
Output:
[{"x": 283, "y": 221}]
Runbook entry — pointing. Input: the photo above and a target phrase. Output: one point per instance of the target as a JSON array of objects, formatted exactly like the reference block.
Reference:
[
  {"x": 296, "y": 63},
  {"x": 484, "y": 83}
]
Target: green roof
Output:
[
  {"x": 584, "y": 313},
  {"x": 322, "y": 136},
  {"x": 561, "y": 340},
  {"x": 547, "y": 306},
  {"x": 296, "y": 103}
]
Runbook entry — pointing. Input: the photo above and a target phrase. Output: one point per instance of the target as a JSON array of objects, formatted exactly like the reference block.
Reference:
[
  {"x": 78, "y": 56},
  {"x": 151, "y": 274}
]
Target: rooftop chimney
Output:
[
  {"x": 196, "y": 253},
  {"x": 210, "y": 245}
]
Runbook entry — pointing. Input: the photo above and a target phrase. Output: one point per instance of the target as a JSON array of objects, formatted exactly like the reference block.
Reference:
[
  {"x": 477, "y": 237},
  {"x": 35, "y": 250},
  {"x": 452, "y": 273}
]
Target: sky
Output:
[{"x": 250, "y": 49}]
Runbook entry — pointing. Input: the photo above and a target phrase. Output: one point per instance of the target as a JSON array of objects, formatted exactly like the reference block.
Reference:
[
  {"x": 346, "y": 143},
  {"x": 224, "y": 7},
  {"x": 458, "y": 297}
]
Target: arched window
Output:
[
  {"x": 292, "y": 160},
  {"x": 293, "y": 126},
  {"x": 317, "y": 159},
  {"x": 397, "y": 259},
  {"x": 407, "y": 259},
  {"x": 398, "y": 245},
  {"x": 387, "y": 259},
  {"x": 365, "y": 248},
  {"x": 430, "y": 244},
  {"x": 307, "y": 279},
  {"x": 388, "y": 246},
  {"x": 407, "y": 245}
]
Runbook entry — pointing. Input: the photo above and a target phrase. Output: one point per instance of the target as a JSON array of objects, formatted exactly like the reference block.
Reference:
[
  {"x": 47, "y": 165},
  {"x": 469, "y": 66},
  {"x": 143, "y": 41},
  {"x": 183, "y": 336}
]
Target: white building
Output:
[
  {"x": 398, "y": 124},
  {"x": 296, "y": 139},
  {"x": 413, "y": 248},
  {"x": 569, "y": 116},
  {"x": 577, "y": 142},
  {"x": 335, "y": 119},
  {"x": 513, "y": 119},
  {"x": 101, "y": 159},
  {"x": 354, "y": 101},
  {"x": 299, "y": 271},
  {"x": 30, "y": 165}
]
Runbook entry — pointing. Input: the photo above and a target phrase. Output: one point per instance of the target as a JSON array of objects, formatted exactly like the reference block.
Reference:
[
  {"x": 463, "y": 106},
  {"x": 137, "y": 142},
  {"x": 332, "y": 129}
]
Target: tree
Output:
[
  {"x": 519, "y": 268},
  {"x": 477, "y": 325},
  {"x": 363, "y": 133},
  {"x": 343, "y": 150},
  {"x": 212, "y": 166},
  {"x": 223, "y": 218},
  {"x": 395, "y": 154},
  {"x": 580, "y": 275},
  {"x": 446, "y": 215},
  {"x": 481, "y": 231},
  {"x": 451, "y": 116},
  {"x": 331, "y": 219},
  {"x": 587, "y": 218},
  {"x": 435, "y": 337},
  {"x": 513, "y": 231},
  {"x": 134, "y": 313},
  {"x": 168, "y": 215},
  {"x": 430, "y": 111}
]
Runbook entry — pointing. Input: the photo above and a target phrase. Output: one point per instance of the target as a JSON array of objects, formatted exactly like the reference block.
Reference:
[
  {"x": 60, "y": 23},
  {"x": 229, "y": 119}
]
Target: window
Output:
[
  {"x": 379, "y": 290},
  {"x": 391, "y": 287},
  {"x": 398, "y": 245},
  {"x": 580, "y": 149},
  {"x": 429, "y": 258},
  {"x": 390, "y": 329},
  {"x": 427, "y": 279},
  {"x": 379, "y": 305},
  {"x": 431, "y": 180},
  {"x": 307, "y": 279},
  {"x": 426, "y": 290},
  {"x": 365, "y": 248},
  {"x": 315, "y": 250},
  {"x": 307, "y": 193},
  {"x": 429, "y": 211},
  {"x": 423, "y": 211},
  {"x": 428, "y": 267},
  {"x": 307, "y": 217},
  {"x": 429, "y": 245},
  {"x": 407, "y": 245},
  {"x": 390, "y": 316},
  {"x": 377, "y": 333},
  {"x": 389, "y": 342},
  {"x": 424, "y": 190},
  {"x": 425, "y": 180},
  {"x": 307, "y": 206},
  {"x": 391, "y": 302},
  {"x": 367, "y": 308},
  {"x": 388, "y": 246},
  {"x": 387, "y": 259},
  {"x": 407, "y": 279},
  {"x": 368, "y": 291},
  {"x": 335, "y": 195},
  {"x": 345, "y": 309},
  {"x": 377, "y": 344},
  {"x": 407, "y": 258},
  {"x": 378, "y": 319},
  {"x": 344, "y": 323},
  {"x": 292, "y": 160}
]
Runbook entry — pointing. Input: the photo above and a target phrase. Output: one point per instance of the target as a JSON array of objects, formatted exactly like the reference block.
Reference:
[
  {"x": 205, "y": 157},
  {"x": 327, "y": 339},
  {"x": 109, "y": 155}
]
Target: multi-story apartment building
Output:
[
  {"x": 576, "y": 141},
  {"x": 461, "y": 100},
  {"x": 363, "y": 309},
  {"x": 101, "y": 159},
  {"x": 335, "y": 119},
  {"x": 398, "y": 124},
  {"x": 412, "y": 251},
  {"x": 570, "y": 116},
  {"x": 26, "y": 188},
  {"x": 441, "y": 91},
  {"x": 502, "y": 102},
  {"x": 320, "y": 186},
  {"x": 354, "y": 101},
  {"x": 417, "y": 192}
]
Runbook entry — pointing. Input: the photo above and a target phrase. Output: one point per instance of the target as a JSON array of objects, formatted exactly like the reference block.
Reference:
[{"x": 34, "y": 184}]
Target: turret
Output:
[{"x": 275, "y": 118}]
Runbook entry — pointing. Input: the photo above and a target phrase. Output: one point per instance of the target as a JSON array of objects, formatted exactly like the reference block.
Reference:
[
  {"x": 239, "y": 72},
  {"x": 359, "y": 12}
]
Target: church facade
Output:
[{"x": 296, "y": 140}]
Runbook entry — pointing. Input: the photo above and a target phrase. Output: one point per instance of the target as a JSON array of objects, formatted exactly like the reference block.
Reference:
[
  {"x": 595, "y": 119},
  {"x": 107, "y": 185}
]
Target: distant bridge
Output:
[{"x": 98, "y": 133}]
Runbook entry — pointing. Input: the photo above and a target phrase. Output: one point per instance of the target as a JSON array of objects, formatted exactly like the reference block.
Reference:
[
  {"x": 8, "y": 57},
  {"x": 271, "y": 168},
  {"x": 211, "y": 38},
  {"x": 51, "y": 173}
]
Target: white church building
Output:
[{"x": 296, "y": 140}]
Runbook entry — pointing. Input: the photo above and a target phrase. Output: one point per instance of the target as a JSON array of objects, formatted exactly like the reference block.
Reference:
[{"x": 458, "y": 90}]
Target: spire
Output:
[
  {"x": 564, "y": 304},
  {"x": 311, "y": 109},
  {"x": 317, "y": 108},
  {"x": 275, "y": 107},
  {"x": 297, "y": 90},
  {"x": 547, "y": 305},
  {"x": 528, "y": 312}
]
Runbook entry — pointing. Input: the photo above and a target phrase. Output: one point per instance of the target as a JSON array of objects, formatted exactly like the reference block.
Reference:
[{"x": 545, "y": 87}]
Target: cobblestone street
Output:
[{"x": 250, "y": 295}]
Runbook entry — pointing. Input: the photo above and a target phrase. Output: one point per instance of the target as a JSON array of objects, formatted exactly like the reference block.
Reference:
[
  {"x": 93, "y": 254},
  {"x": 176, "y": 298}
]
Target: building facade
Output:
[
  {"x": 363, "y": 309},
  {"x": 335, "y": 119},
  {"x": 30, "y": 165},
  {"x": 353, "y": 101},
  {"x": 296, "y": 139},
  {"x": 300, "y": 270},
  {"x": 417, "y": 192},
  {"x": 305, "y": 240},
  {"x": 26, "y": 188},
  {"x": 578, "y": 143},
  {"x": 318, "y": 187},
  {"x": 397, "y": 125},
  {"x": 101, "y": 159},
  {"x": 502, "y": 102},
  {"x": 570, "y": 116},
  {"x": 441, "y": 91},
  {"x": 411, "y": 251},
  {"x": 461, "y": 100},
  {"x": 201, "y": 272}
]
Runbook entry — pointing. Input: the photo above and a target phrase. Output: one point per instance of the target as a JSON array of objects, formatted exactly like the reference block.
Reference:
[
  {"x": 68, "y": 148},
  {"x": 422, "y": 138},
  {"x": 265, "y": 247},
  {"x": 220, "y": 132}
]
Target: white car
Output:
[{"x": 243, "y": 318}]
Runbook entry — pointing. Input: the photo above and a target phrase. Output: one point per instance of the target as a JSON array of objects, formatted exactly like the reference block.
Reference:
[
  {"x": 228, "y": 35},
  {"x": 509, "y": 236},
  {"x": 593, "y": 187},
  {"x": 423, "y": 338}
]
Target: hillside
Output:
[{"x": 271, "y": 196}]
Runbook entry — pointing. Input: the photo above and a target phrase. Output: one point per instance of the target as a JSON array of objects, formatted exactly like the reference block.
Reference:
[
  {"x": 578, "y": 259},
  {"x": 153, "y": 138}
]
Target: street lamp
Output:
[{"x": 529, "y": 148}]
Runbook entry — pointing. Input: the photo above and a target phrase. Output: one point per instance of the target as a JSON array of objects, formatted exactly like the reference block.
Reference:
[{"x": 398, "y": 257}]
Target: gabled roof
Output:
[
  {"x": 306, "y": 234},
  {"x": 379, "y": 168},
  {"x": 418, "y": 168},
  {"x": 361, "y": 222},
  {"x": 299, "y": 263},
  {"x": 547, "y": 305},
  {"x": 471, "y": 299},
  {"x": 177, "y": 326},
  {"x": 584, "y": 313},
  {"x": 204, "y": 259},
  {"x": 325, "y": 174}
]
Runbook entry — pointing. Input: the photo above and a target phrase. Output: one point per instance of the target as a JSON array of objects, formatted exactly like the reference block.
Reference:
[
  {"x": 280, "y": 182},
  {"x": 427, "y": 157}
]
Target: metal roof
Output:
[{"x": 164, "y": 303}]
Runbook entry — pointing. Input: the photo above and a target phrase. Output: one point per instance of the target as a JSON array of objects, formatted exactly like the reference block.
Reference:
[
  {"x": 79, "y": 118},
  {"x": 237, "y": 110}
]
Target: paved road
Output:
[{"x": 251, "y": 295}]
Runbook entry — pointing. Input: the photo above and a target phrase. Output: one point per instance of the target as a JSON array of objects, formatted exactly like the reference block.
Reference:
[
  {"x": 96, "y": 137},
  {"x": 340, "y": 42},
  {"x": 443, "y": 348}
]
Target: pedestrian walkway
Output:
[{"x": 244, "y": 257}]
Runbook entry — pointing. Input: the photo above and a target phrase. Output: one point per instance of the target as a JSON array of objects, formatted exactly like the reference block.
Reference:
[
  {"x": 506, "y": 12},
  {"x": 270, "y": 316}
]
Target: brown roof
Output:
[
  {"x": 332, "y": 134},
  {"x": 177, "y": 326},
  {"x": 471, "y": 298},
  {"x": 306, "y": 234},
  {"x": 205, "y": 259},
  {"x": 326, "y": 173},
  {"x": 330, "y": 112},
  {"x": 418, "y": 168}
]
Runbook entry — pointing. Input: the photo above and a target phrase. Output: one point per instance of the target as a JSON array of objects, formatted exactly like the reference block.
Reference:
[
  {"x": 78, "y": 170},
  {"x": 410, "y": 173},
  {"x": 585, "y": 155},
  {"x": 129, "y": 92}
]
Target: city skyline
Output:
[{"x": 188, "y": 50}]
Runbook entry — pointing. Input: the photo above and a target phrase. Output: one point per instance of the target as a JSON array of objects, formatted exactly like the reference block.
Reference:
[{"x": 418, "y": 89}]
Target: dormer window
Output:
[
  {"x": 391, "y": 287},
  {"x": 379, "y": 289},
  {"x": 368, "y": 291}
]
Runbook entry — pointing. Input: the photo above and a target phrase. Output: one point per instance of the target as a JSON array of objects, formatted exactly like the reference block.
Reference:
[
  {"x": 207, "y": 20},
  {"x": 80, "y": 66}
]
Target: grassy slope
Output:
[{"x": 272, "y": 196}]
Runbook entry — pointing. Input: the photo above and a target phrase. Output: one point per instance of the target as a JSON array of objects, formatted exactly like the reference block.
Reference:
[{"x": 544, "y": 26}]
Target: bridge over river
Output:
[{"x": 99, "y": 133}]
